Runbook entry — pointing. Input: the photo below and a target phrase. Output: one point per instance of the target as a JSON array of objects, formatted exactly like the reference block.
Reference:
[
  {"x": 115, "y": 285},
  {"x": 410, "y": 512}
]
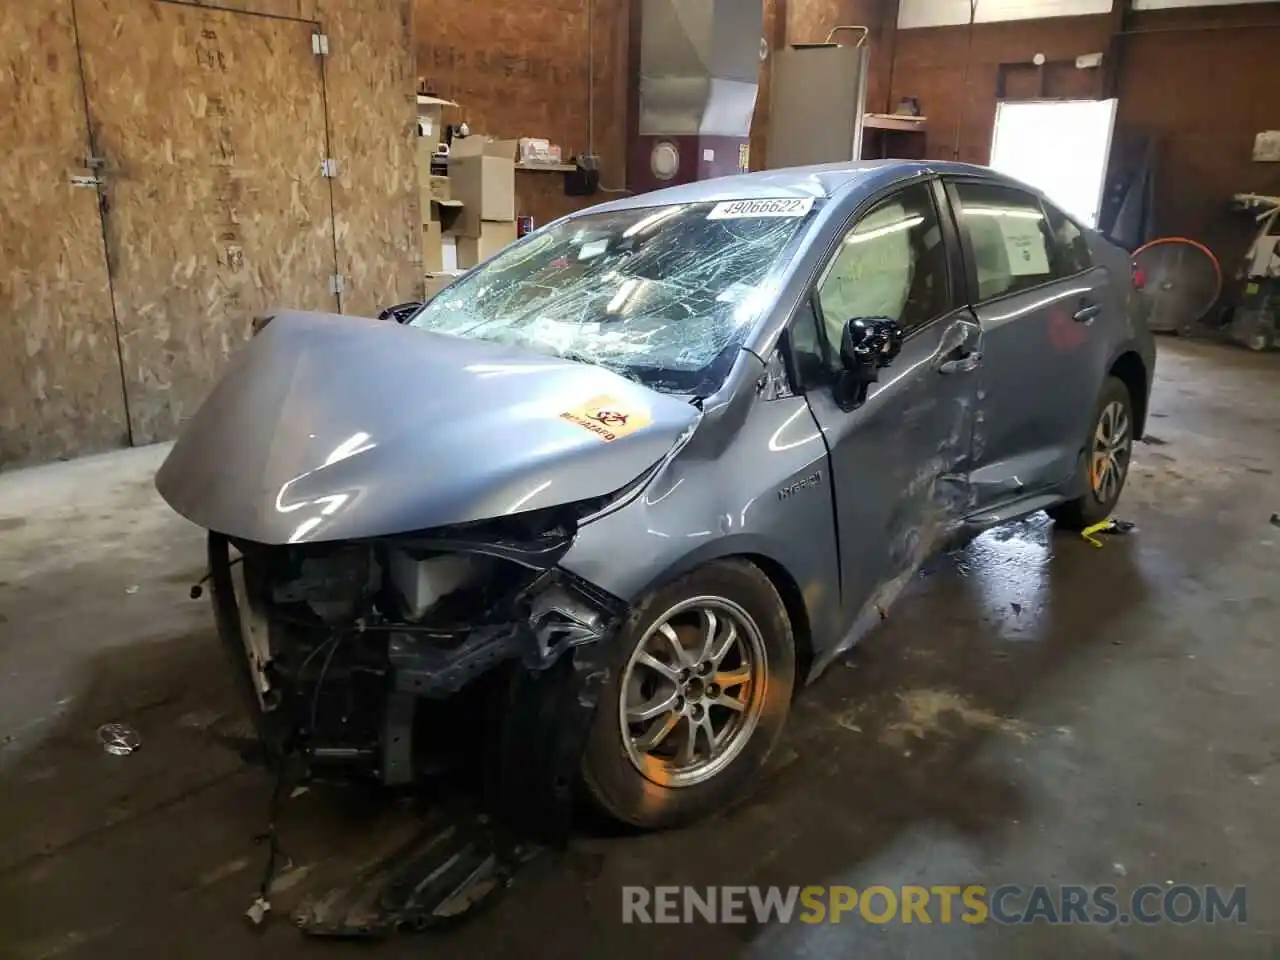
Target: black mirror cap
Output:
[
  {"x": 869, "y": 343},
  {"x": 401, "y": 312}
]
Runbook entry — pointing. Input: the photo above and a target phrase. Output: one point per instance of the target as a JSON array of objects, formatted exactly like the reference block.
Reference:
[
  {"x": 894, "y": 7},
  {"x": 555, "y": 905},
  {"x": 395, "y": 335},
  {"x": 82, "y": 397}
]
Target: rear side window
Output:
[
  {"x": 1012, "y": 245},
  {"x": 1071, "y": 248}
]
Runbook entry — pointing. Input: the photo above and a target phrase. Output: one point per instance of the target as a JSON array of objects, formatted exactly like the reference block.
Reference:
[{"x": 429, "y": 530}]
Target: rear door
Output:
[
  {"x": 898, "y": 460},
  {"x": 1037, "y": 297}
]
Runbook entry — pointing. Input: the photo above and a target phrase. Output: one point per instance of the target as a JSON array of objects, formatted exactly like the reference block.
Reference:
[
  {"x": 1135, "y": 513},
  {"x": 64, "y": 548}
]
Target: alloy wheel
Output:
[
  {"x": 1112, "y": 447},
  {"x": 692, "y": 691}
]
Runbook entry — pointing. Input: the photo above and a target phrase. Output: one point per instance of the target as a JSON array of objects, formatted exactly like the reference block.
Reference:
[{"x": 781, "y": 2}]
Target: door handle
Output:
[
  {"x": 963, "y": 364},
  {"x": 1086, "y": 313}
]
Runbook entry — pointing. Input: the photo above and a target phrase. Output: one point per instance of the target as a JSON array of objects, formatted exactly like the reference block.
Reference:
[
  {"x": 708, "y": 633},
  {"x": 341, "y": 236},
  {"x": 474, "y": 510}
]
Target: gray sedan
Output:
[{"x": 652, "y": 468}]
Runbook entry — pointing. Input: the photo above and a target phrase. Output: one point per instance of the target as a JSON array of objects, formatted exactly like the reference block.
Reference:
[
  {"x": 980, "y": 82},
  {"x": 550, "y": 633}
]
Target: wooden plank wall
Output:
[{"x": 60, "y": 391}]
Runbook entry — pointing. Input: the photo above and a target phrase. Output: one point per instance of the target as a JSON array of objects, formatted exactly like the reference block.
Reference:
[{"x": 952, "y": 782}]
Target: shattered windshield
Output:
[{"x": 664, "y": 295}]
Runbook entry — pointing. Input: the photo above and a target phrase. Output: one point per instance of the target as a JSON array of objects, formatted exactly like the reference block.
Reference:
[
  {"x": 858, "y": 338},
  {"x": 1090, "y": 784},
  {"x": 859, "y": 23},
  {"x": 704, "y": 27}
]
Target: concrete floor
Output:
[{"x": 1035, "y": 710}]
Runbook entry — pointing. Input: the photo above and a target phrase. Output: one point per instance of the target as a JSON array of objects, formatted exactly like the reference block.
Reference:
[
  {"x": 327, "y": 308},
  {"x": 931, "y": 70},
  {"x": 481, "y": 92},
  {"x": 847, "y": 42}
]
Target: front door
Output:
[
  {"x": 898, "y": 459},
  {"x": 1037, "y": 297}
]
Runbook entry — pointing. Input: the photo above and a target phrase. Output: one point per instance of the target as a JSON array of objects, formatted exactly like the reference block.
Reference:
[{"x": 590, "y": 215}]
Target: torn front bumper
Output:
[{"x": 345, "y": 684}]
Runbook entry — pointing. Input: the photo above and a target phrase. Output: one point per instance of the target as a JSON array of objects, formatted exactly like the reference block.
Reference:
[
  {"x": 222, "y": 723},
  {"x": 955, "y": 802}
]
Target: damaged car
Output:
[{"x": 653, "y": 467}]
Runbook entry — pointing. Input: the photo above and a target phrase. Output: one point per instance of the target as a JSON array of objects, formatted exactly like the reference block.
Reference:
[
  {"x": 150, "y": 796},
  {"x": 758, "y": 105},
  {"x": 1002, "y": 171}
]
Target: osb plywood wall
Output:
[
  {"x": 211, "y": 125},
  {"x": 214, "y": 217},
  {"x": 369, "y": 91},
  {"x": 59, "y": 376},
  {"x": 522, "y": 70},
  {"x": 372, "y": 118}
]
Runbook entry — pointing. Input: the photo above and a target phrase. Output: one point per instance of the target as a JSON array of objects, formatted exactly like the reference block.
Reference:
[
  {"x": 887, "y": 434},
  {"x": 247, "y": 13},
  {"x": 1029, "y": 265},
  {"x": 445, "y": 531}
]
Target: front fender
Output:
[{"x": 763, "y": 491}]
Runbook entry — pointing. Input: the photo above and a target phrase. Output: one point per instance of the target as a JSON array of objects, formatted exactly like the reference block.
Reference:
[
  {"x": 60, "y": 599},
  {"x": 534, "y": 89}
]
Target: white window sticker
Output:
[
  {"x": 1024, "y": 246},
  {"x": 748, "y": 209}
]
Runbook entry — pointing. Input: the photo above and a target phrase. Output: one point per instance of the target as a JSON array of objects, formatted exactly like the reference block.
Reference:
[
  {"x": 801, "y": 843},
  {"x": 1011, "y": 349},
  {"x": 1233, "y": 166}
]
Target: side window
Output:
[
  {"x": 1071, "y": 247},
  {"x": 1011, "y": 243},
  {"x": 893, "y": 263},
  {"x": 806, "y": 345}
]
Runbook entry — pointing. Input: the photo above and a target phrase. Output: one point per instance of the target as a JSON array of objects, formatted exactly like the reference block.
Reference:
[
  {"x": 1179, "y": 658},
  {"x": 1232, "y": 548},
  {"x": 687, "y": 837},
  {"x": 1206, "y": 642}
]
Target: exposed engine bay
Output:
[{"x": 339, "y": 645}]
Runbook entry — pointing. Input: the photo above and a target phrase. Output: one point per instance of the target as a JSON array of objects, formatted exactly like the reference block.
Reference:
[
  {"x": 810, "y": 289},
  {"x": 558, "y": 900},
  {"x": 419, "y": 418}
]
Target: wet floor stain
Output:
[{"x": 925, "y": 714}]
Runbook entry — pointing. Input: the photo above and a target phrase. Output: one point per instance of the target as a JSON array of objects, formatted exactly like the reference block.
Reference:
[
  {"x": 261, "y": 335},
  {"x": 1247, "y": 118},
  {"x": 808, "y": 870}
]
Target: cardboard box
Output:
[
  {"x": 482, "y": 174},
  {"x": 449, "y": 213},
  {"x": 432, "y": 247},
  {"x": 439, "y": 188},
  {"x": 493, "y": 237},
  {"x": 439, "y": 226},
  {"x": 432, "y": 195},
  {"x": 431, "y": 123}
]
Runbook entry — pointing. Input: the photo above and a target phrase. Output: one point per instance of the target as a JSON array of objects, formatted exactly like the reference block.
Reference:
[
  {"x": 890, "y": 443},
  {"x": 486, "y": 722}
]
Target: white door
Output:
[{"x": 1058, "y": 146}]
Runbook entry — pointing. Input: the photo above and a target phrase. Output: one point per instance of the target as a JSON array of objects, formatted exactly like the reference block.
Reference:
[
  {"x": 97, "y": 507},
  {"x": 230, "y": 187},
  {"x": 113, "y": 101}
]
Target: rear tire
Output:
[
  {"x": 666, "y": 747},
  {"x": 1106, "y": 463}
]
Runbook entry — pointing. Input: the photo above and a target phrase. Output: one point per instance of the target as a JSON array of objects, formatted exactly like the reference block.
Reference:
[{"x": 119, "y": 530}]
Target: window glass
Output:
[
  {"x": 663, "y": 295},
  {"x": 893, "y": 263},
  {"x": 806, "y": 345},
  {"x": 1072, "y": 248},
  {"x": 1011, "y": 242}
]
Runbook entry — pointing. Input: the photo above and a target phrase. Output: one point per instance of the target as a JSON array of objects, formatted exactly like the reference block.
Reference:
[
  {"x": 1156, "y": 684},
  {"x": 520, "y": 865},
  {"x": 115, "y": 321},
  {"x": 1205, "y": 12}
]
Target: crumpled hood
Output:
[{"x": 331, "y": 428}]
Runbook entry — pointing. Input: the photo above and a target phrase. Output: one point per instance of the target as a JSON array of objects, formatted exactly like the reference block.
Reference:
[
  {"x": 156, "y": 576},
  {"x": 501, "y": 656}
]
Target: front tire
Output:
[
  {"x": 1110, "y": 450},
  {"x": 702, "y": 677}
]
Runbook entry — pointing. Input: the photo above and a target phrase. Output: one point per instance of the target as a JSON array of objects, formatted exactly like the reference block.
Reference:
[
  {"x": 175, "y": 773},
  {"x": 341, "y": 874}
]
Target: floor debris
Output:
[
  {"x": 449, "y": 871},
  {"x": 1108, "y": 526},
  {"x": 119, "y": 739}
]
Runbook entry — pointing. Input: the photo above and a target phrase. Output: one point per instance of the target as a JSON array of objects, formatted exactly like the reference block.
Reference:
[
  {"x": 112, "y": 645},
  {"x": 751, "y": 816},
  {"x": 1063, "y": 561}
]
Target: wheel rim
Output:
[
  {"x": 1112, "y": 445},
  {"x": 692, "y": 691}
]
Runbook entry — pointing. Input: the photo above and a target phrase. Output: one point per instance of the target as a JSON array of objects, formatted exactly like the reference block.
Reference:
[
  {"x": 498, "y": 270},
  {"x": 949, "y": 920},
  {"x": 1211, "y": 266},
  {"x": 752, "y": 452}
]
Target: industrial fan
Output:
[{"x": 1178, "y": 282}]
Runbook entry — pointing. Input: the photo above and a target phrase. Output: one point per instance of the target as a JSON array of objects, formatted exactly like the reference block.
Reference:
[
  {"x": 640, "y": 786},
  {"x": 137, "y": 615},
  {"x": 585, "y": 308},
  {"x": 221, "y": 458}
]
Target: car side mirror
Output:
[
  {"x": 869, "y": 343},
  {"x": 866, "y": 345},
  {"x": 401, "y": 312}
]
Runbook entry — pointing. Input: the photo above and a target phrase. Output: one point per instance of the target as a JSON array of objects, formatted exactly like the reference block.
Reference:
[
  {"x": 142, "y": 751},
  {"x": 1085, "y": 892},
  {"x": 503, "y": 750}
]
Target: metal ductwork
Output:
[
  {"x": 699, "y": 66},
  {"x": 696, "y": 64}
]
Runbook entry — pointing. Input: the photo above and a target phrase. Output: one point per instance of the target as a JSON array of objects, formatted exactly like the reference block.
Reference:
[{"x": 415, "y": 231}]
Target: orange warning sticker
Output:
[{"x": 607, "y": 418}]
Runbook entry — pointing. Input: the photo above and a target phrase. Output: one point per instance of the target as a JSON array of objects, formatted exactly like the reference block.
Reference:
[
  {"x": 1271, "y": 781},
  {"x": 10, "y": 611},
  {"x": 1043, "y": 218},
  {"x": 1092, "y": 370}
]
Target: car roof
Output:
[{"x": 821, "y": 181}]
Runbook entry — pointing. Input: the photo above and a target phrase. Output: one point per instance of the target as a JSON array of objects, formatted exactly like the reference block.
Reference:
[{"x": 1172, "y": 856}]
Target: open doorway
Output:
[{"x": 1059, "y": 146}]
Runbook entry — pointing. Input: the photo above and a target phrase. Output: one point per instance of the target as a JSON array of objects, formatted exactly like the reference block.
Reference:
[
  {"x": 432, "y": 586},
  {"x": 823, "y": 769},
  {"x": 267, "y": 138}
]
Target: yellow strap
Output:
[{"x": 1088, "y": 532}]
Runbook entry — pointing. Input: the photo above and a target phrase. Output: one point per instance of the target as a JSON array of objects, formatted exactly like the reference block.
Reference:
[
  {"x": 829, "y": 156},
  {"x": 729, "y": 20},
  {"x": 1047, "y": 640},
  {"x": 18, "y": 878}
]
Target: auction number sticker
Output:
[
  {"x": 607, "y": 418},
  {"x": 749, "y": 209}
]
